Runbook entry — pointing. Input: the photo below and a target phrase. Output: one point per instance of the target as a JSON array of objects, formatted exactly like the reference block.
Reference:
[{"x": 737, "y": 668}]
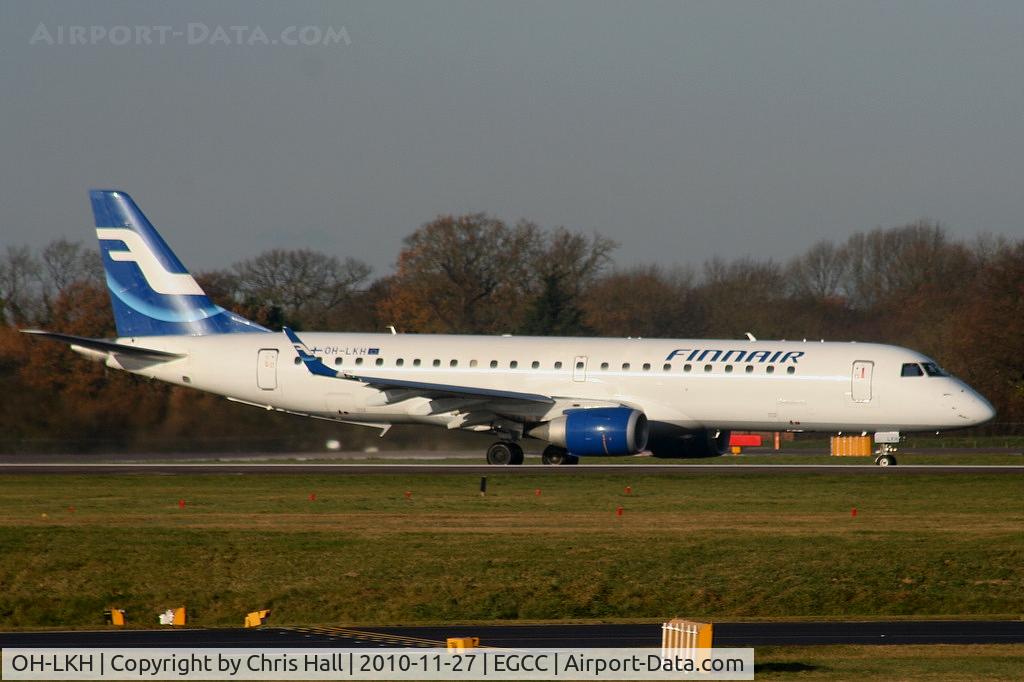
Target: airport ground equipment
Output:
[
  {"x": 850, "y": 446},
  {"x": 738, "y": 441},
  {"x": 681, "y": 638}
]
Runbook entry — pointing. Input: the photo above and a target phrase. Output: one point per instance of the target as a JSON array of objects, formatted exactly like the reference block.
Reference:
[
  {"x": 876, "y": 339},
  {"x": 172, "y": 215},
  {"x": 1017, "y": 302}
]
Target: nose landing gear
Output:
[
  {"x": 887, "y": 441},
  {"x": 885, "y": 460}
]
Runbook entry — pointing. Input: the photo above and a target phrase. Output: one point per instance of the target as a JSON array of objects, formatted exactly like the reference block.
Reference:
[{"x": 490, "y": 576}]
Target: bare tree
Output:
[
  {"x": 19, "y": 276},
  {"x": 818, "y": 274},
  {"x": 305, "y": 284},
  {"x": 466, "y": 274},
  {"x": 646, "y": 300},
  {"x": 901, "y": 261},
  {"x": 64, "y": 263},
  {"x": 567, "y": 264},
  {"x": 743, "y": 295}
]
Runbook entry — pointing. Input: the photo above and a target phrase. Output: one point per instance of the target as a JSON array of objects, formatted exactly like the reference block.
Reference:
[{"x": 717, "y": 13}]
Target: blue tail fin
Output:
[{"x": 151, "y": 291}]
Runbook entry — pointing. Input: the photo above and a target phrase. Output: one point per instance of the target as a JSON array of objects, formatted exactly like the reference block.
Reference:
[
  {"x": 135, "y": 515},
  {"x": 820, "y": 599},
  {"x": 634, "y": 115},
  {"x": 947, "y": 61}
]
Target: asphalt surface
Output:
[
  {"x": 484, "y": 469},
  {"x": 761, "y": 454},
  {"x": 539, "y": 636}
]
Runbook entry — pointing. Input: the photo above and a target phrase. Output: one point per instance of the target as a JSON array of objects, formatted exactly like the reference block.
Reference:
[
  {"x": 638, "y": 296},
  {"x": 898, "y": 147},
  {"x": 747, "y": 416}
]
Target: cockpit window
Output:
[
  {"x": 911, "y": 369},
  {"x": 934, "y": 370}
]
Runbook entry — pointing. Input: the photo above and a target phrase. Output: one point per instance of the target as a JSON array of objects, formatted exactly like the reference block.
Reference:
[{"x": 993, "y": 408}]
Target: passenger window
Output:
[
  {"x": 791, "y": 370},
  {"x": 666, "y": 367},
  {"x": 297, "y": 360},
  {"x": 436, "y": 363},
  {"x": 513, "y": 364},
  {"x": 687, "y": 368},
  {"x": 359, "y": 361},
  {"x": 453, "y": 363},
  {"x": 911, "y": 369},
  {"x": 647, "y": 366},
  {"x": 625, "y": 366},
  {"x": 558, "y": 365},
  {"x": 604, "y": 365},
  {"x": 472, "y": 363},
  {"x": 494, "y": 364},
  {"x": 416, "y": 362},
  {"x": 750, "y": 368},
  {"x": 380, "y": 361},
  {"x": 535, "y": 364},
  {"x": 398, "y": 362},
  {"x": 769, "y": 369},
  {"x": 707, "y": 368},
  {"x": 337, "y": 361},
  {"x": 579, "y": 364},
  {"x": 728, "y": 369}
]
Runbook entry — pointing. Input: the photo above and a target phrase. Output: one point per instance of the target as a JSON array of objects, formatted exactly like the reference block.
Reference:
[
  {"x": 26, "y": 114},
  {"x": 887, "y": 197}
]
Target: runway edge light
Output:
[
  {"x": 173, "y": 616},
  {"x": 459, "y": 643},
  {"x": 114, "y": 616},
  {"x": 254, "y": 619}
]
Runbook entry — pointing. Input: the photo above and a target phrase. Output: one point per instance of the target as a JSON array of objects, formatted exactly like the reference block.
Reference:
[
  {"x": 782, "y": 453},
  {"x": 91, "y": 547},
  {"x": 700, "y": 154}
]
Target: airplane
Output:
[{"x": 581, "y": 396}]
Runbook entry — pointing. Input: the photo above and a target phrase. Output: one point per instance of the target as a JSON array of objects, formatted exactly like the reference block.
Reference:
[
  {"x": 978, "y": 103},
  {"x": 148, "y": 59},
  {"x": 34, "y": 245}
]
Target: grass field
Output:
[
  {"x": 362, "y": 552},
  {"x": 905, "y": 662}
]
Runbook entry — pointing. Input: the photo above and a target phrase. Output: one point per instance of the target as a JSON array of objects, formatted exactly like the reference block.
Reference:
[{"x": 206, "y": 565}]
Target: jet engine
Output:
[{"x": 596, "y": 431}]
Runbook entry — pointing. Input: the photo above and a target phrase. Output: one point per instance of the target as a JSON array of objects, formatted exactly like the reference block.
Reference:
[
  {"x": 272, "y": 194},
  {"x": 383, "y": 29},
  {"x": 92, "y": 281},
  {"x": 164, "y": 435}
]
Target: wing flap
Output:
[{"x": 429, "y": 389}]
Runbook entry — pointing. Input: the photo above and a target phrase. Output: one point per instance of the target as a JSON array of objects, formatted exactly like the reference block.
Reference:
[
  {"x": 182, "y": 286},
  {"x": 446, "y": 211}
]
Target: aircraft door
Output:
[
  {"x": 266, "y": 369},
  {"x": 579, "y": 368},
  {"x": 861, "y": 381}
]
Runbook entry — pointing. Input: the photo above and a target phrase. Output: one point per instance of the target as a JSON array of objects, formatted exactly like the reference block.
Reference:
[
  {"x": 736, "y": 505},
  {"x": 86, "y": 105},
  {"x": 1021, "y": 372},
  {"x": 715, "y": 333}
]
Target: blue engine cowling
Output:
[{"x": 597, "y": 431}]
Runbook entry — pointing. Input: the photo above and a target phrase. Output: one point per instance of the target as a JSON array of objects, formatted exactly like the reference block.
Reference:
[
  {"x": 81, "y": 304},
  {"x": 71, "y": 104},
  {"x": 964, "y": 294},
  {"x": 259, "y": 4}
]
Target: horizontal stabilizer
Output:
[{"x": 105, "y": 346}]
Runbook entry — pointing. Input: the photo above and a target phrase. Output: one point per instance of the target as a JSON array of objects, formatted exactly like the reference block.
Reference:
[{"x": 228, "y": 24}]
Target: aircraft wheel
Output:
[
  {"x": 502, "y": 453},
  {"x": 886, "y": 460},
  {"x": 555, "y": 455},
  {"x": 517, "y": 453}
]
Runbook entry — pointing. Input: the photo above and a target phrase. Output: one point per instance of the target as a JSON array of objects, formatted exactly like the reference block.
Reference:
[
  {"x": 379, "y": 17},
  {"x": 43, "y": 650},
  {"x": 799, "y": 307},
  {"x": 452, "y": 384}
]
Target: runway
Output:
[
  {"x": 108, "y": 468},
  {"x": 539, "y": 636}
]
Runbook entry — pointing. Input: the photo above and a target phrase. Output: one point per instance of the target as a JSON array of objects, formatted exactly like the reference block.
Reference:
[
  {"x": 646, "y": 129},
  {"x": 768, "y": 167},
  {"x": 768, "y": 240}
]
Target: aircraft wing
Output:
[
  {"x": 106, "y": 346},
  {"x": 424, "y": 389}
]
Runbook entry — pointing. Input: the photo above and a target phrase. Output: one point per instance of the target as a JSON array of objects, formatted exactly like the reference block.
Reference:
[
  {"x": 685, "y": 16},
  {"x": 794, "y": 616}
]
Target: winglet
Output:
[{"x": 312, "y": 362}]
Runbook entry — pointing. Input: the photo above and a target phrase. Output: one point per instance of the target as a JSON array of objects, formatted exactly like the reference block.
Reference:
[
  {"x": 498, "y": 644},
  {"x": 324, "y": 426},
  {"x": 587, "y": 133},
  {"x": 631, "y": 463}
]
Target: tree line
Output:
[{"x": 961, "y": 303}]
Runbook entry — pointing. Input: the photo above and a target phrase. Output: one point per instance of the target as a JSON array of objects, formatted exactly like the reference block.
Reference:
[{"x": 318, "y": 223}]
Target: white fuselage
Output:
[{"x": 687, "y": 383}]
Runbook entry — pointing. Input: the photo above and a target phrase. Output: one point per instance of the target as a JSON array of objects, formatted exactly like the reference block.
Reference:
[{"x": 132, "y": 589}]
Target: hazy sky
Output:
[{"x": 682, "y": 129}]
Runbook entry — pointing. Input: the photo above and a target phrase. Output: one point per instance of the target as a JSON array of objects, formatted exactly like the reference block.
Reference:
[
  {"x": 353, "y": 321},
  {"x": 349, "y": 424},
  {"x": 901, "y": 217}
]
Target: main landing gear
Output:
[
  {"x": 504, "y": 453},
  {"x": 555, "y": 455}
]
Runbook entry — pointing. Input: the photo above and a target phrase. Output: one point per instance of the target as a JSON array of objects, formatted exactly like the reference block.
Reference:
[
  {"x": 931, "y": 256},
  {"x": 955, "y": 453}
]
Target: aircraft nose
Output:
[
  {"x": 981, "y": 410},
  {"x": 969, "y": 408}
]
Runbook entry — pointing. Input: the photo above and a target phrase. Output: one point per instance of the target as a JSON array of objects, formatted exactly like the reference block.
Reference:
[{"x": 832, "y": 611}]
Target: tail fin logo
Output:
[{"x": 157, "y": 276}]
